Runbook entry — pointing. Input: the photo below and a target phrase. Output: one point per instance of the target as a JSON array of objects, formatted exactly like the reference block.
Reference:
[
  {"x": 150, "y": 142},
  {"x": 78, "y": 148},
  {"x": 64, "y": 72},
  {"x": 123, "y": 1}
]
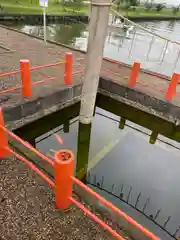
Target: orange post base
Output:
[
  {"x": 64, "y": 167},
  {"x": 134, "y": 74},
  {"x": 171, "y": 92}
]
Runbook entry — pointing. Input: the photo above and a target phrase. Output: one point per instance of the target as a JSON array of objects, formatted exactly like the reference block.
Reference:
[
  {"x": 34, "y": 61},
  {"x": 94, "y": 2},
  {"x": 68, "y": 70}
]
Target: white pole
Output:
[
  {"x": 97, "y": 35},
  {"x": 44, "y": 21}
]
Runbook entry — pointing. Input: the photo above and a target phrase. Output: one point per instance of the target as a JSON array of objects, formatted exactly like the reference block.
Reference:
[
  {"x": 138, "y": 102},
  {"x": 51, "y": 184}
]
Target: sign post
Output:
[{"x": 44, "y": 5}]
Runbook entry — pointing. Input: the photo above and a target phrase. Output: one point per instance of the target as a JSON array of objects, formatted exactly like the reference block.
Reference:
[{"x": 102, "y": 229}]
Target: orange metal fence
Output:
[
  {"x": 26, "y": 70},
  {"x": 170, "y": 92},
  {"x": 63, "y": 181},
  {"x": 27, "y": 84}
]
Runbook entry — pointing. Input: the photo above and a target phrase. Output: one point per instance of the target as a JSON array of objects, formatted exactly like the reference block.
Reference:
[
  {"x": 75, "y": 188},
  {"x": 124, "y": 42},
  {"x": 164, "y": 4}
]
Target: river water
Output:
[
  {"x": 154, "y": 53},
  {"x": 123, "y": 161}
]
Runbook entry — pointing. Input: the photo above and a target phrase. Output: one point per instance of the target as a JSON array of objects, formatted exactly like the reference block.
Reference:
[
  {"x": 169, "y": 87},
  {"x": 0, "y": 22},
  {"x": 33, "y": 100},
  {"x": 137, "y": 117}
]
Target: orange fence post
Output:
[
  {"x": 26, "y": 78},
  {"x": 68, "y": 69},
  {"x": 3, "y": 137},
  {"x": 64, "y": 167},
  {"x": 172, "y": 86},
  {"x": 134, "y": 74}
]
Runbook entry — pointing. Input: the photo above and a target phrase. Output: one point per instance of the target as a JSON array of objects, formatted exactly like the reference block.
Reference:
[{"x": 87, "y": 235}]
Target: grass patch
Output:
[
  {"x": 56, "y": 7},
  {"x": 32, "y": 7}
]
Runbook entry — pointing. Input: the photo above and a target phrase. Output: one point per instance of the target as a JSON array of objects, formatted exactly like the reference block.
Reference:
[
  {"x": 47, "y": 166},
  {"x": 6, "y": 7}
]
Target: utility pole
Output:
[{"x": 97, "y": 35}]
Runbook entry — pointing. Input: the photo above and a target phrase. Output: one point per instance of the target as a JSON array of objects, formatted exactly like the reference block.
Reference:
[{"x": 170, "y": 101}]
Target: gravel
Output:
[{"x": 27, "y": 209}]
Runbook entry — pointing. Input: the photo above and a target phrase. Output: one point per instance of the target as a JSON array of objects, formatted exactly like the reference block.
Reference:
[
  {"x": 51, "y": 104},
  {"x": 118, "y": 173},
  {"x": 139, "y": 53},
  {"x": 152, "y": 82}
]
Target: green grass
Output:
[{"x": 32, "y": 7}]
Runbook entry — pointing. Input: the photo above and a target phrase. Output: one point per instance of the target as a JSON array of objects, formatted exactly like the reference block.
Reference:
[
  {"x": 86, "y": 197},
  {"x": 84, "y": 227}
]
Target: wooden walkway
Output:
[{"x": 21, "y": 46}]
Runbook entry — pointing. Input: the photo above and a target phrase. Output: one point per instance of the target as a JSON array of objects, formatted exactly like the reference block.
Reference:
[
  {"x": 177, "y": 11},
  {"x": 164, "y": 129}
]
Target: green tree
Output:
[
  {"x": 126, "y": 4},
  {"x": 148, "y": 6},
  {"x": 175, "y": 10},
  {"x": 72, "y": 5},
  {"x": 160, "y": 7}
]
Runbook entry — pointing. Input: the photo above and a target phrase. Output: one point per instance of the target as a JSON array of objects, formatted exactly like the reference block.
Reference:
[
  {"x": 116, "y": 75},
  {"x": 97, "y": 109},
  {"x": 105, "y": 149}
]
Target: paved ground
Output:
[
  {"x": 27, "y": 209},
  {"x": 38, "y": 53}
]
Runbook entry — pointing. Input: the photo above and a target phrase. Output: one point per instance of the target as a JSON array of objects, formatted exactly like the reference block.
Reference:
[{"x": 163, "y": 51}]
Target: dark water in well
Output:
[
  {"x": 153, "y": 52},
  {"x": 120, "y": 164}
]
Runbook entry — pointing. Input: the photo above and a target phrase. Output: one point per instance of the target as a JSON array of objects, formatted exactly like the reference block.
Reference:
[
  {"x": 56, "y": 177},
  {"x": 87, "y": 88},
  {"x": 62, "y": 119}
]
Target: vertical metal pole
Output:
[
  {"x": 44, "y": 22},
  {"x": 97, "y": 36},
  {"x": 176, "y": 61},
  {"x": 164, "y": 52},
  {"x": 132, "y": 42},
  {"x": 150, "y": 47},
  {"x": 89, "y": 9}
]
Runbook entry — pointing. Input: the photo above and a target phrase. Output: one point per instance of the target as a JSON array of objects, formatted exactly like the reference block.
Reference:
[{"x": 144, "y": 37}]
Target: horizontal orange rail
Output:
[
  {"x": 47, "y": 65},
  {"x": 44, "y": 80},
  {"x": 26, "y": 144},
  {"x": 32, "y": 166},
  {"x": 10, "y": 90},
  {"x": 96, "y": 219},
  {"x": 154, "y": 87},
  {"x": 78, "y": 72},
  {"x": 115, "y": 209},
  {"x": 9, "y": 73}
]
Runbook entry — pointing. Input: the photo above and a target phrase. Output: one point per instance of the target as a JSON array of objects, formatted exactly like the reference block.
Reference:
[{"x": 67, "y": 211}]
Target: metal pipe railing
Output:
[
  {"x": 26, "y": 69},
  {"x": 32, "y": 166},
  {"x": 142, "y": 28},
  {"x": 133, "y": 77},
  {"x": 96, "y": 219}
]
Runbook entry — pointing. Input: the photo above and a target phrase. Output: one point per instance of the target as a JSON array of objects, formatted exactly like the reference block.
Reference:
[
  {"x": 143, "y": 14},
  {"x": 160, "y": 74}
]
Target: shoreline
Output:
[
  {"x": 68, "y": 18},
  {"x": 154, "y": 18}
]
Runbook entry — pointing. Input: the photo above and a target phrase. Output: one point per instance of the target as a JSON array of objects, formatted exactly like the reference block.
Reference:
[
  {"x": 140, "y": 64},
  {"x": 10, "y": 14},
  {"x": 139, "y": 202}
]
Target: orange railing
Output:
[
  {"x": 170, "y": 92},
  {"x": 25, "y": 75},
  {"x": 133, "y": 80},
  {"x": 63, "y": 165}
]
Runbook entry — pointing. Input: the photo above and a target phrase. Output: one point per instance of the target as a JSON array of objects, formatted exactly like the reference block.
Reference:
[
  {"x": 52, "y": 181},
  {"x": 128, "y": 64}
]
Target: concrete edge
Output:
[
  {"x": 157, "y": 107},
  {"x": 22, "y": 114},
  {"x": 27, "y": 112}
]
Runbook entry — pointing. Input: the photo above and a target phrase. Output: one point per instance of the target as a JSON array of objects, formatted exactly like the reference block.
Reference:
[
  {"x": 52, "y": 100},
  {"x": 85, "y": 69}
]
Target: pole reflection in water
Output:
[
  {"x": 84, "y": 136},
  {"x": 66, "y": 127}
]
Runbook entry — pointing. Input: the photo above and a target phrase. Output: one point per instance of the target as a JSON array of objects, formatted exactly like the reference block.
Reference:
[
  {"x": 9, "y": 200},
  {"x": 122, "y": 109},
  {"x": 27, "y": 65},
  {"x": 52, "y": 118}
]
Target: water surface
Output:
[
  {"x": 123, "y": 161},
  {"x": 154, "y": 53}
]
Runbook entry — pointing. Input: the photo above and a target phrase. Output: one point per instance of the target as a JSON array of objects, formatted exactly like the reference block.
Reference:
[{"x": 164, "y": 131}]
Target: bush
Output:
[
  {"x": 159, "y": 7},
  {"x": 148, "y": 6},
  {"x": 175, "y": 10},
  {"x": 75, "y": 5},
  {"x": 134, "y": 3}
]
